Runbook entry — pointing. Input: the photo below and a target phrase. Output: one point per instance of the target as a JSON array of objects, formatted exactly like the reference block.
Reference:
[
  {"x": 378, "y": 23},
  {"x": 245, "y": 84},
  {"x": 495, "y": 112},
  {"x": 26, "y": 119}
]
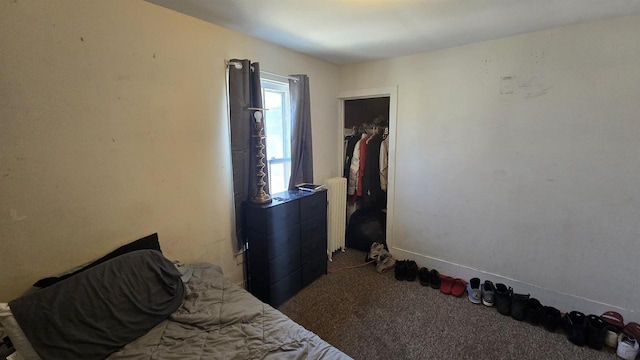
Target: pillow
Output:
[
  {"x": 147, "y": 242},
  {"x": 100, "y": 310}
]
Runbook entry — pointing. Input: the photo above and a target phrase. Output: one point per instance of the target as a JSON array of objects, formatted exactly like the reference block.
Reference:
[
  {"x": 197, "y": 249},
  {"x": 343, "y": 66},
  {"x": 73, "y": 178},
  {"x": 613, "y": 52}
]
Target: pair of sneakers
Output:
[
  {"x": 429, "y": 277},
  {"x": 481, "y": 293},
  {"x": 384, "y": 260},
  {"x": 406, "y": 270}
]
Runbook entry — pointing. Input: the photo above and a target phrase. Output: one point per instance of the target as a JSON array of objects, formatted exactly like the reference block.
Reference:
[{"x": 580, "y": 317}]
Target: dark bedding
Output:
[{"x": 100, "y": 310}]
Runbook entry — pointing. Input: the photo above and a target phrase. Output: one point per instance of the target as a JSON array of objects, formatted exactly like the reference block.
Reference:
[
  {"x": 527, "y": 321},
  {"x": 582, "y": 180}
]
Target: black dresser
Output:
[{"x": 287, "y": 244}]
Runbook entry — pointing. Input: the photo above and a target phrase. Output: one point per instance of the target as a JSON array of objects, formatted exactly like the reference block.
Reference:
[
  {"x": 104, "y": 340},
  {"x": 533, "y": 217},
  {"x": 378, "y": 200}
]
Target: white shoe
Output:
[
  {"x": 376, "y": 250},
  {"x": 611, "y": 338},
  {"x": 627, "y": 347},
  {"x": 385, "y": 262}
]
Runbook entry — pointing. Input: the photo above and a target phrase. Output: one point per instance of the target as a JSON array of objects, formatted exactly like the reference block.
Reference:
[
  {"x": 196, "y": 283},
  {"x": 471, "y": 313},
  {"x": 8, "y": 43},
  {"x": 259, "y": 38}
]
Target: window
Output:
[{"x": 275, "y": 97}]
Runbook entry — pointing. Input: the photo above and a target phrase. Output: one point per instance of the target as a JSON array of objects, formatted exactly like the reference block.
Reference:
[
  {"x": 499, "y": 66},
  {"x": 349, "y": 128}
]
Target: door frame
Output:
[{"x": 392, "y": 93}]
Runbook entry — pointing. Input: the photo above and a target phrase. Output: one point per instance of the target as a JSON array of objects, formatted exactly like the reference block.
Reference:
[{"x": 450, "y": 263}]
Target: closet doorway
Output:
[{"x": 371, "y": 110}]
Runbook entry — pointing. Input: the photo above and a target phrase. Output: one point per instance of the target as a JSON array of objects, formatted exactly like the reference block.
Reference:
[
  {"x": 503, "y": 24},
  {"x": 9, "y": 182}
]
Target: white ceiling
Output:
[{"x": 348, "y": 31}]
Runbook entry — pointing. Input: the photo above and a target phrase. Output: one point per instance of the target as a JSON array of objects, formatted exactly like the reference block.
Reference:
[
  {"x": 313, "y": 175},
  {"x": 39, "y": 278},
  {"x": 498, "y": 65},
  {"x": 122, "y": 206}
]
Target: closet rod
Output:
[{"x": 238, "y": 65}]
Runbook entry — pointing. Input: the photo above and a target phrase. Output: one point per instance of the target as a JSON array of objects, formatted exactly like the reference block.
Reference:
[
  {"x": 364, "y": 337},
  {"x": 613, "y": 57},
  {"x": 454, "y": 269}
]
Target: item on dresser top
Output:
[{"x": 310, "y": 187}]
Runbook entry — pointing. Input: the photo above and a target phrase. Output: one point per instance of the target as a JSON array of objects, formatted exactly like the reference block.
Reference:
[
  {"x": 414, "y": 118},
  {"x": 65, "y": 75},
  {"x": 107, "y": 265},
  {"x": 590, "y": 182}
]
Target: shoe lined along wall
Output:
[{"x": 591, "y": 330}]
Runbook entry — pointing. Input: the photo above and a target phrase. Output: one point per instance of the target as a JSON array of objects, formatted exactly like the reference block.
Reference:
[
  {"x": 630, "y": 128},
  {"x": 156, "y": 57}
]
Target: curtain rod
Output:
[
  {"x": 278, "y": 75},
  {"x": 238, "y": 65}
]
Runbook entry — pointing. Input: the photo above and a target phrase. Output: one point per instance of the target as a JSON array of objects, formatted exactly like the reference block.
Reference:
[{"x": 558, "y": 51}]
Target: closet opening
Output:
[{"x": 368, "y": 121}]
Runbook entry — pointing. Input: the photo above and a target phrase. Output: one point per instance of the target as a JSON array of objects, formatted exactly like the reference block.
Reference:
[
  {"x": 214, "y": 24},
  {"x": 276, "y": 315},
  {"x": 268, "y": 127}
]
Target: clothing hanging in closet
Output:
[
  {"x": 354, "y": 169},
  {"x": 372, "y": 194},
  {"x": 367, "y": 170},
  {"x": 350, "y": 144}
]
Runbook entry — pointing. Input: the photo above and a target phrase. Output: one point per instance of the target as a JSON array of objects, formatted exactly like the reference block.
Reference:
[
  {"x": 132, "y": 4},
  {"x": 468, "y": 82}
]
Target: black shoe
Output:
[
  {"x": 412, "y": 270},
  {"x": 434, "y": 279},
  {"x": 519, "y": 306},
  {"x": 401, "y": 269},
  {"x": 575, "y": 325},
  {"x": 367, "y": 259},
  {"x": 550, "y": 318},
  {"x": 534, "y": 311},
  {"x": 502, "y": 299},
  {"x": 596, "y": 332},
  {"x": 423, "y": 276}
]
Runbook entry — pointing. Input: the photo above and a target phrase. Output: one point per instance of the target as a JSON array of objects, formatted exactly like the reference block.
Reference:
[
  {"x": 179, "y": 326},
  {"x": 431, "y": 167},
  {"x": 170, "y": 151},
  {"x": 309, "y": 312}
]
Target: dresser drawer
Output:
[
  {"x": 314, "y": 228},
  {"x": 285, "y": 288},
  {"x": 283, "y": 241},
  {"x": 312, "y": 249},
  {"x": 313, "y": 205},
  {"x": 274, "y": 245},
  {"x": 270, "y": 219},
  {"x": 283, "y": 265},
  {"x": 313, "y": 270}
]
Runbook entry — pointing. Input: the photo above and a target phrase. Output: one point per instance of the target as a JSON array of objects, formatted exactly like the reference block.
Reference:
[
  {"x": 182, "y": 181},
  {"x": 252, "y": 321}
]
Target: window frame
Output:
[{"x": 271, "y": 84}]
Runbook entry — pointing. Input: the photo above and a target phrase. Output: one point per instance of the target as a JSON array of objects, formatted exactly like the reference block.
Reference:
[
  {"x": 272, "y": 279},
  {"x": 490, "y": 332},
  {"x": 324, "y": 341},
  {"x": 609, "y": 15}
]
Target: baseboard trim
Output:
[{"x": 562, "y": 301}]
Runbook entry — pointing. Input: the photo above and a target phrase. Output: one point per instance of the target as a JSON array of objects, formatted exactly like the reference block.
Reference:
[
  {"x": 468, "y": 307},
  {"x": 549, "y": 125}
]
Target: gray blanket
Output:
[{"x": 220, "y": 320}]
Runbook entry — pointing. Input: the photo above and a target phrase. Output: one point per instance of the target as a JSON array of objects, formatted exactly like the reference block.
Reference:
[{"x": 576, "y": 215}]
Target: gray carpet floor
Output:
[{"x": 373, "y": 316}]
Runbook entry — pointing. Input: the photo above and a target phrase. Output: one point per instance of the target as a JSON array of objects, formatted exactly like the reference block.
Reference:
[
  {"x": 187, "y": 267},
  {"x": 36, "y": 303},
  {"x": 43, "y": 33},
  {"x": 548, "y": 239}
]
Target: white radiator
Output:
[{"x": 336, "y": 214}]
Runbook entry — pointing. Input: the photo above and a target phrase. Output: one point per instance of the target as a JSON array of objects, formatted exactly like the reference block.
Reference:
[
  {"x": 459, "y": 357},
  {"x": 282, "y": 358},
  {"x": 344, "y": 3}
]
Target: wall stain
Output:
[
  {"x": 485, "y": 63},
  {"x": 507, "y": 84},
  {"x": 81, "y": 38},
  {"x": 534, "y": 87},
  {"x": 14, "y": 215}
]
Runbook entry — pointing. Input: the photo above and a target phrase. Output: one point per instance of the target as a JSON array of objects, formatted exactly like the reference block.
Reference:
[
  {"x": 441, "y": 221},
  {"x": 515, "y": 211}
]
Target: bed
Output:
[{"x": 139, "y": 305}]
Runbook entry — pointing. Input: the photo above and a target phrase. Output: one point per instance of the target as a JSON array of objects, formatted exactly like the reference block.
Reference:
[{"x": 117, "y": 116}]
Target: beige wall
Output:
[
  {"x": 113, "y": 126},
  {"x": 517, "y": 161}
]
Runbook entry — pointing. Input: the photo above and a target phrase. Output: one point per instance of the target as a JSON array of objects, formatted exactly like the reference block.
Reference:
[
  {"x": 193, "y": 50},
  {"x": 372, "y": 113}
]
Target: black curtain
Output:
[
  {"x": 245, "y": 94},
  {"x": 301, "y": 144}
]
